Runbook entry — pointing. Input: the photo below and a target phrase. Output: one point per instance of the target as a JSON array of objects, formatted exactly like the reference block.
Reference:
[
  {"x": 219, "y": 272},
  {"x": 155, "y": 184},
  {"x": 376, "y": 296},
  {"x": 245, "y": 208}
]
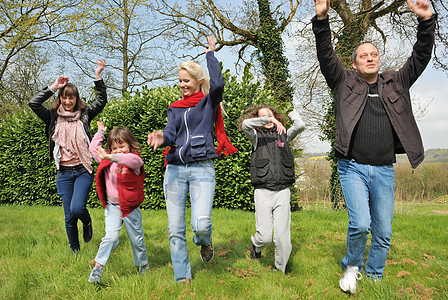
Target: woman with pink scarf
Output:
[{"x": 67, "y": 126}]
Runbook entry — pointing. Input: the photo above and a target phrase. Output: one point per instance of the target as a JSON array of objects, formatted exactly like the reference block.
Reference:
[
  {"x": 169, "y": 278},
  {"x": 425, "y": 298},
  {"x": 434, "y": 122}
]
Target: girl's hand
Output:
[
  {"x": 155, "y": 139},
  {"x": 101, "y": 64},
  {"x": 60, "y": 82},
  {"x": 280, "y": 128},
  {"x": 102, "y": 154},
  {"x": 101, "y": 126},
  {"x": 211, "y": 44}
]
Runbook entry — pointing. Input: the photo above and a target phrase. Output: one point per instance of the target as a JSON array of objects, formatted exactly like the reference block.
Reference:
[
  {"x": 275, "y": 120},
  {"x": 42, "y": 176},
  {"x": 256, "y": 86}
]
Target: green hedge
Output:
[{"x": 27, "y": 177}]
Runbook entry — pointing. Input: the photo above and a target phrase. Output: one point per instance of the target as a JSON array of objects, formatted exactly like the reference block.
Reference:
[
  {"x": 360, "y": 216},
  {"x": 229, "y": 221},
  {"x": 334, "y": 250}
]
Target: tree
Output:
[
  {"x": 381, "y": 22},
  {"x": 126, "y": 34},
  {"x": 25, "y": 27},
  {"x": 24, "y": 75},
  {"x": 23, "y": 23},
  {"x": 238, "y": 26}
]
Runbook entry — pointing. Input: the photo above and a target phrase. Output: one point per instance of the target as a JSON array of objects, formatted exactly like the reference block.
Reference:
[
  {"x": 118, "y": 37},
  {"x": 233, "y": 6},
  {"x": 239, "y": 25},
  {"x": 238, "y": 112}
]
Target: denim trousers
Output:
[
  {"x": 369, "y": 196},
  {"x": 197, "y": 178},
  {"x": 114, "y": 221},
  {"x": 273, "y": 214},
  {"x": 74, "y": 184}
]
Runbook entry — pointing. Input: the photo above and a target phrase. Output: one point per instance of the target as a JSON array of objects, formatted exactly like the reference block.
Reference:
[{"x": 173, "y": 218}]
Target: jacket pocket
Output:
[
  {"x": 288, "y": 167},
  {"x": 351, "y": 92},
  {"x": 198, "y": 146},
  {"x": 261, "y": 167},
  {"x": 397, "y": 100}
]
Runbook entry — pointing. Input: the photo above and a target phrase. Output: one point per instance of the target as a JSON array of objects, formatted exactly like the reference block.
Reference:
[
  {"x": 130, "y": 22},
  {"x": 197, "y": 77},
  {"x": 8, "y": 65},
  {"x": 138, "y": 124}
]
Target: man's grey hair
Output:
[{"x": 355, "y": 52}]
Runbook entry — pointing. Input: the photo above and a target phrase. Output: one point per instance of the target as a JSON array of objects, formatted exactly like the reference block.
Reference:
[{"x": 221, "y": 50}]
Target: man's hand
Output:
[
  {"x": 421, "y": 8},
  {"x": 322, "y": 7}
]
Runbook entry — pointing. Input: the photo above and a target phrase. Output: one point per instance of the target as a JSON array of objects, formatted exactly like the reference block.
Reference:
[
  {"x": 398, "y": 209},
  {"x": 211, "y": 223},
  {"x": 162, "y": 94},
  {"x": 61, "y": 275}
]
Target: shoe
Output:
[
  {"x": 349, "y": 280},
  {"x": 254, "y": 254},
  {"x": 87, "y": 232},
  {"x": 184, "y": 281},
  {"x": 143, "y": 269},
  {"x": 95, "y": 275},
  {"x": 207, "y": 252}
]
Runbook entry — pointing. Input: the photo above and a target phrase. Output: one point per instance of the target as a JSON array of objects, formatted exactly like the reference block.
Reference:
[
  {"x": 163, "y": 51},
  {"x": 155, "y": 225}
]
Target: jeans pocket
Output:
[{"x": 58, "y": 175}]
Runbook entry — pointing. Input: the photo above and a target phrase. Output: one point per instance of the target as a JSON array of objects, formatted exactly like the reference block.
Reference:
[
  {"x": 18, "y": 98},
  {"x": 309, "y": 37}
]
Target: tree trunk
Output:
[{"x": 271, "y": 55}]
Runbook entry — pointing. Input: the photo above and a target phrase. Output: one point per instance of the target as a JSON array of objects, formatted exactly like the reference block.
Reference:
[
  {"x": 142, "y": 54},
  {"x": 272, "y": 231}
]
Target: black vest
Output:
[{"x": 272, "y": 163}]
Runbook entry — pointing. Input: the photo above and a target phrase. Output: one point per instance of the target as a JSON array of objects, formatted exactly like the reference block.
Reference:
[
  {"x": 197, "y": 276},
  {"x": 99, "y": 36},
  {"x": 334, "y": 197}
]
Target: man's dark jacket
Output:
[{"x": 350, "y": 90}]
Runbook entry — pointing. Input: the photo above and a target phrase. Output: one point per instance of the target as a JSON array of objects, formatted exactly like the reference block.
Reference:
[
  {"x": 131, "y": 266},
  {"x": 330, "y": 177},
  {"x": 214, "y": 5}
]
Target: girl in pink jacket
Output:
[{"x": 119, "y": 183}]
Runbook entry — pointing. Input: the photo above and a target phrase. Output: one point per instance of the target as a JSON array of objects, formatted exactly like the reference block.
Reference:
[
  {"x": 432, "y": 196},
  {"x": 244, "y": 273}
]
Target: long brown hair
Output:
[
  {"x": 122, "y": 134},
  {"x": 252, "y": 112},
  {"x": 69, "y": 90}
]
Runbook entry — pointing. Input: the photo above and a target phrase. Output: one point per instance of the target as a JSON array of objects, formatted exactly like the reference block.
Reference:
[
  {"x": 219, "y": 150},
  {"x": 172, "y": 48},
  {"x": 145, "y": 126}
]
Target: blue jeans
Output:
[
  {"x": 114, "y": 221},
  {"x": 198, "y": 178},
  {"x": 369, "y": 195},
  {"x": 74, "y": 184}
]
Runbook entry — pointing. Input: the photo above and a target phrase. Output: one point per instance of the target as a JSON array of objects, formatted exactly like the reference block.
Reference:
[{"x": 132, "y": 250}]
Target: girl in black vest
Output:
[{"x": 272, "y": 172}]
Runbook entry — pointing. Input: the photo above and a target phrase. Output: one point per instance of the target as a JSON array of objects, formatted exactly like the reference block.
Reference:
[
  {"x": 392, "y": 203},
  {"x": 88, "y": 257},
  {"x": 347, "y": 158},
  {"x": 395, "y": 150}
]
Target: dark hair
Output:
[
  {"x": 355, "y": 52},
  {"x": 69, "y": 90},
  {"x": 122, "y": 135},
  {"x": 252, "y": 112}
]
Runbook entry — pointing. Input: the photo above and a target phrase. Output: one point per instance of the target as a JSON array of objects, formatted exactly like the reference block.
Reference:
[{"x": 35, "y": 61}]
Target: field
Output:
[
  {"x": 427, "y": 183},
  {"x": 36, "y": 263}
]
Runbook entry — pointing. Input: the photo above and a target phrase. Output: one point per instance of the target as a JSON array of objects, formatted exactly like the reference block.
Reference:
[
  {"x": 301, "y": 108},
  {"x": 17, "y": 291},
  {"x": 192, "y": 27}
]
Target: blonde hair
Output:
[{"x": 198, "y": 73}]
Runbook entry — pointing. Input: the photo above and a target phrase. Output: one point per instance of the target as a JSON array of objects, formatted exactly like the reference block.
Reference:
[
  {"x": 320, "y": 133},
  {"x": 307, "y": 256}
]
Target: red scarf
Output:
[{"x": 224, "y": 145}]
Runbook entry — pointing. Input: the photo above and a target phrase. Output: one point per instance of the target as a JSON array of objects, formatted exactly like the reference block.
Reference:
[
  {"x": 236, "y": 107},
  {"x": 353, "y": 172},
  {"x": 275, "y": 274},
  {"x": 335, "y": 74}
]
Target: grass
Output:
[{"x": 36, "y": 263}]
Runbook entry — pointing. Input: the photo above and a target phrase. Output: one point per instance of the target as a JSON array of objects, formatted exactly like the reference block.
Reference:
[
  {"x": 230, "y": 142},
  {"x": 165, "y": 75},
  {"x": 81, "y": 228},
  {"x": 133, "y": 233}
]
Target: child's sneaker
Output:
[
  {"x": 143, "y": 269},
  {"x": 254, "y": 254},
  {"x": 95, "y": 275},
  {"x": 349, "y": 280}
]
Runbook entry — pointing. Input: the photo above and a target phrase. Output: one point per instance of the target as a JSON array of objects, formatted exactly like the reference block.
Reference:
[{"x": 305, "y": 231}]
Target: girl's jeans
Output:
[
  {"x": 74, "y": 184},
  {"x": 369, "y": 195},
  {"x": 133, "y": 223},
  {"x": 198, "y": 178}
]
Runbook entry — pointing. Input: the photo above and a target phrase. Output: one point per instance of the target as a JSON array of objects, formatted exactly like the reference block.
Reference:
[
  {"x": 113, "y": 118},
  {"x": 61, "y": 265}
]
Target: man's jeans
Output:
[
  {"x": 198, "y": 178},
  {"x": 369, "y": 195},
  {"x": 74, "y": 184}
]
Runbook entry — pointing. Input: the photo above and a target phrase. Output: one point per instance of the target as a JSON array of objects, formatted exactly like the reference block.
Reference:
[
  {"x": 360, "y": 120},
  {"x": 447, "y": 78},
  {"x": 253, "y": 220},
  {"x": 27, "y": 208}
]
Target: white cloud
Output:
[{"x": 434, "y": 125}]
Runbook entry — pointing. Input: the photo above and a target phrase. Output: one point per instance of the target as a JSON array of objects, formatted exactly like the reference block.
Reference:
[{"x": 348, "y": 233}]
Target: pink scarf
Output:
[{"x": 69, "y": 134}]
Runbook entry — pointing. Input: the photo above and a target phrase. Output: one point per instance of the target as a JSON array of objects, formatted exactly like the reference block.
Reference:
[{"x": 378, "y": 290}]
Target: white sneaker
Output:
[{"x": 348, "y": 281}]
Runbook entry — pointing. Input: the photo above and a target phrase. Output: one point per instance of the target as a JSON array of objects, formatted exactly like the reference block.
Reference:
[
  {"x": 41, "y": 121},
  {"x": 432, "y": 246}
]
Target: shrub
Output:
[{"x": 27, "y": 177}]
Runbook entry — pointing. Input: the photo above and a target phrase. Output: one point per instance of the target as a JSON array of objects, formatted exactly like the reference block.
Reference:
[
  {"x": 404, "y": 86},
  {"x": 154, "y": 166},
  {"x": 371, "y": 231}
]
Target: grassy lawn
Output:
[{"x": 35, "y": 260}]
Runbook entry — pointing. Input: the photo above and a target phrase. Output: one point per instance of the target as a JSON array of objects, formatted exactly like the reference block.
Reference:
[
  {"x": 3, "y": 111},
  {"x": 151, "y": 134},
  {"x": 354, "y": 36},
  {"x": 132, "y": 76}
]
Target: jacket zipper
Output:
[{"x": 188, "y": 134}]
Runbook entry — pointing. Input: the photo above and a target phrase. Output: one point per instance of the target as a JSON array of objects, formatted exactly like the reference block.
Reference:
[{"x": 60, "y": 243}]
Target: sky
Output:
[
  {"x": 431, "y": 86},
  {"x": 434, "y": 125}
]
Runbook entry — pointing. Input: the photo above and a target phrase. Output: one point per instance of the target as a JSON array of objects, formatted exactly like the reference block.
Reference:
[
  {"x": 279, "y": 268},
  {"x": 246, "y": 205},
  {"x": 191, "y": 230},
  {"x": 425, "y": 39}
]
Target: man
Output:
[{"x": 374, "y": 121}]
